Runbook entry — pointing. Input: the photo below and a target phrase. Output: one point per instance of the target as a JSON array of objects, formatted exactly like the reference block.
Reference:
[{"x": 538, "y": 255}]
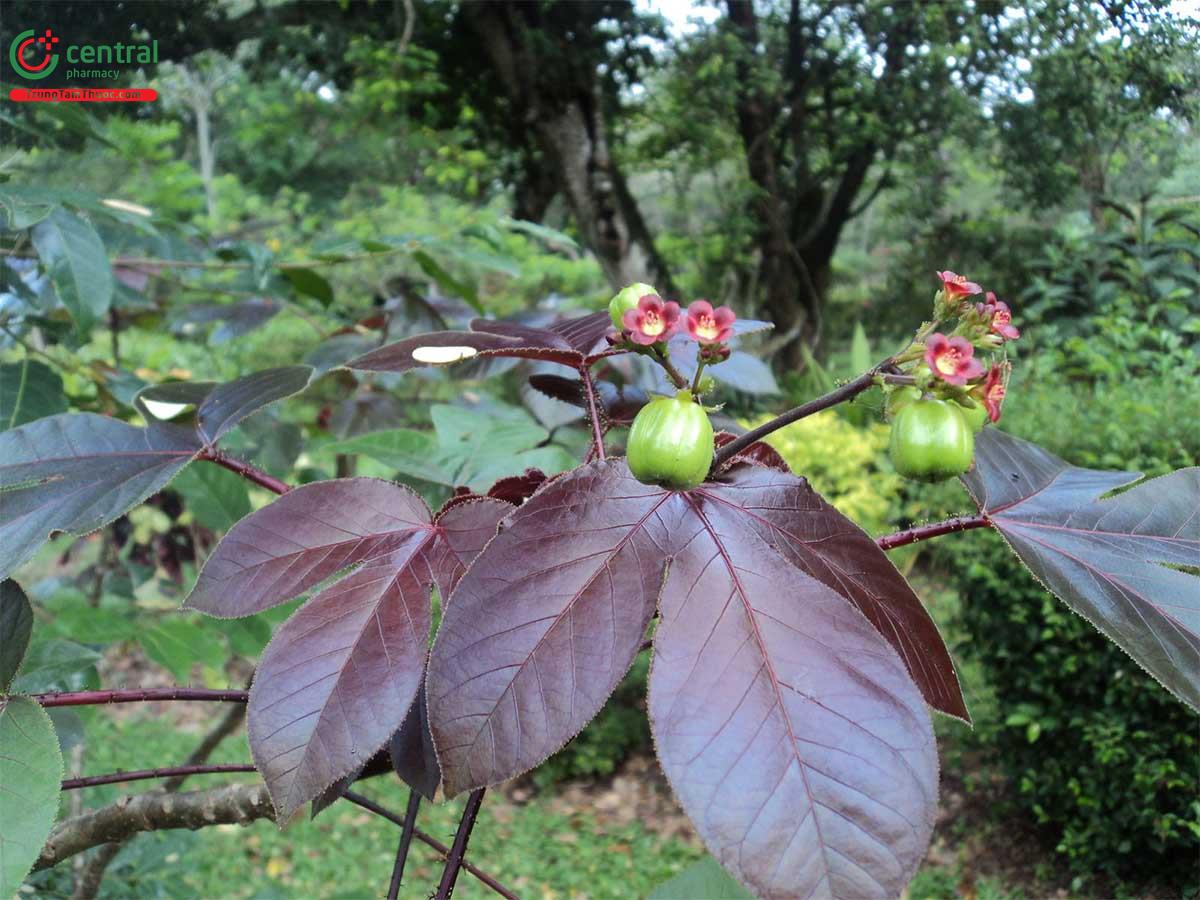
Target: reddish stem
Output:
[
  {"x": 455, "y": 860},
  {"x": 936, "y": 529},
  {"x": 851, "y": 389},
  {"x": 406, "y": 836},
  {"x": 372, "y": 806},
  {"x": 247, "y": 471},
  {"x": 589, "y": 390},
  {"x": 71, "y": 784},
  {"x": 99, "y": 698}
]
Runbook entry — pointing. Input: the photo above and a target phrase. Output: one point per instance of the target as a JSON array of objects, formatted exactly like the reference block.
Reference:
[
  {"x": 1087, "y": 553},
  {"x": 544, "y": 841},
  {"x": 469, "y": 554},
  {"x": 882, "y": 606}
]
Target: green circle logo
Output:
[{"x": 26, "y": 44}]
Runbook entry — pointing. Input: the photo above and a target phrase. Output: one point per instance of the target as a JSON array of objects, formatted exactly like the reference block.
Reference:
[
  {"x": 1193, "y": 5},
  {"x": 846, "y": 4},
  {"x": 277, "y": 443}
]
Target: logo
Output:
[{"x": 25, "y": 50}]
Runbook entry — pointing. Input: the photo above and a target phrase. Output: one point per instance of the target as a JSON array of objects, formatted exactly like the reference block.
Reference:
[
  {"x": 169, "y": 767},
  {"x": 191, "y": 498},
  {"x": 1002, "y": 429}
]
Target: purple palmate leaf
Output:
[
  {"x": 339, "y": 676},
  {"x": 820, "y": 541},
  {"x": 789, "y": 730},
  {"x": 1109, "y": 559},
  {"x": 543, "y": 627}
]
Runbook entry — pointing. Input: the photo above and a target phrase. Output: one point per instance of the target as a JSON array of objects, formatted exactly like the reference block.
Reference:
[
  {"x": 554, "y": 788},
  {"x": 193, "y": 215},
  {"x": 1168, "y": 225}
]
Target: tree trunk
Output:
[{"x": 568, "y": 123}]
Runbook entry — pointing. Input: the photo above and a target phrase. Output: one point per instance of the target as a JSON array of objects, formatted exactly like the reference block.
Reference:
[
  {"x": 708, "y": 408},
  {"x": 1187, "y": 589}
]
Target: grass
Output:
[{"x": 348, "y": 853}]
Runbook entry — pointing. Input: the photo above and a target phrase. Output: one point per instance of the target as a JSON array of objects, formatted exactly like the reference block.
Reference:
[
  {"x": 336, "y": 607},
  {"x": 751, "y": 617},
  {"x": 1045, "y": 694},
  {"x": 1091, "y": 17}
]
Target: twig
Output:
[
  {"x": 71, "y": 784},
  {"x": 406, "y": 836},
  {"x": 863, "y": 382},
  {"x": 370, "y": 805},
  {"x": 100, "y": 698},
  {"x": 665, "y": 361},
  {"x": 459, "y": 848},
  {"x": 247, "y": 471},
  {"x": 589, "y": 391},
  {"x": 935, "y": 529}
]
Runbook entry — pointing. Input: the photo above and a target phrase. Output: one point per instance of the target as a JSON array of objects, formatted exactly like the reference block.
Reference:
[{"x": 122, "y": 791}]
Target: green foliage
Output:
[
  {"x": 30, "y": 769},
  {"x": 1119, "y": 302},
  {"x": 1099, "y": 754},
  {"x": 846, "y": 464}
]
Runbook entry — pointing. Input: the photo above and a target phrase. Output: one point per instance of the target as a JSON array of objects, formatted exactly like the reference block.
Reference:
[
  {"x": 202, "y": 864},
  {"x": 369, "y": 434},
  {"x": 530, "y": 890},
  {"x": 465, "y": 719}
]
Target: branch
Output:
[
  {"x": 233, "y": 804},
  {"x": 100, "y": 698},
  {"x": 851, "y": 389},
  {"x": 247, "y": 471},
  {"x": 589, "y": 392},
  {"x": 936, "y": 529},
  {"x": 71, "y": 784},
  {"x": 370, "y": 805}
]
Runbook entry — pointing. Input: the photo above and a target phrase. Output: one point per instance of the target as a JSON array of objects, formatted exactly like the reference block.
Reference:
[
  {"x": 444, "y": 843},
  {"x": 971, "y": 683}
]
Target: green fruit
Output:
[
  {"x": 627, "y": 299},
  {"x": 976, "y": 416},
  {"x": 899, "y": 397},
  {"x": 671, "y": 443},
  {"x": 931, "y": 441}
]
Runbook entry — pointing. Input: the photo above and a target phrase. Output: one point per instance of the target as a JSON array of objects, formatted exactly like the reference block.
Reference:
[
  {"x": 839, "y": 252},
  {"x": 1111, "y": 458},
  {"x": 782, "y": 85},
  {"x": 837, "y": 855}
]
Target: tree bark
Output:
[{"x": 568, "y": 122}]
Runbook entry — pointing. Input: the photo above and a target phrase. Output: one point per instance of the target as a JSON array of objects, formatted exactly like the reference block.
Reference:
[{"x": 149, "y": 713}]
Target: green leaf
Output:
[
  {"x": 310, "y": 283},
  {"x": 412, "y": 453},
  {"x": 215, "y": 496},
  {"x": 29, "y": 390},
  {"x": 704, "y": 878},
  {"x": 541, "y": 232},
  {"x": 56, "y": 665},
  {"x": 860, "y": 350},
  {"x": 75, "y": 258},
  {"x": 31, "y": 770},
  {"x": 176, "y": 643},
  {"x": 23, "y": 207},
  {"x": 446, "y": 281},
  {"x": 16, "y": 624}
]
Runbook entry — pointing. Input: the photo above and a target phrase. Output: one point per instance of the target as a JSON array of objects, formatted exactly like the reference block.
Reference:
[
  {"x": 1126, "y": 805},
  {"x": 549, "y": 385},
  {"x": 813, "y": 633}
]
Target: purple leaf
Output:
[
  {"x": 306, "y": 536},
  {"x": 219, "y": 407},
  {"x": 619, "y": 405},
  {"x": 544, "y": 625},
  {"x": 1108, "y": 559},
  {"x": 463, "y": 531},
  {"x": 516, "y": 489},
  {"x": 75, "y": 473},
  {"x": 413, "y": 755},
  {"x": 822, "y": 543},
  {"x": 788, "y": 728},
  {"x": 571, "y": 342},
  {"x": 339, "y": 676},
  {"x": 758, "y": 454},
  {"x": 16, "y": 624}
]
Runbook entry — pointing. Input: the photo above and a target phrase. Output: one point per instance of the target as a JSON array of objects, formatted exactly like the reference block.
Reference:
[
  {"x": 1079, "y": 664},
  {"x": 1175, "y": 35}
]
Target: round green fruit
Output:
[
  {"x": 899, "y": 397},
  {"x": 976, "y": 416},
  {"x": 671, "y": 443},
  {"x": 931, "y": 441},
  {"x": 626, "y": 300}
]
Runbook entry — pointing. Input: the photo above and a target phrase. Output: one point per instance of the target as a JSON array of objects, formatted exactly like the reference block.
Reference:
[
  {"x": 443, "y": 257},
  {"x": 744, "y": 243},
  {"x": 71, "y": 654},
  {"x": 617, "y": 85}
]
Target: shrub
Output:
[{"x": 1099, "y": 754}]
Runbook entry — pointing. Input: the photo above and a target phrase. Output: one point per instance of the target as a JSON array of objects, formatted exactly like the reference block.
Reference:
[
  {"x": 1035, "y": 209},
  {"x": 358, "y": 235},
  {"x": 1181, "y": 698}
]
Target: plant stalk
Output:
[
  {"x": 71, "y": 784},
  {"x": 100, "y": 698},
  {"x": 372, "y": 806},
  {"x": 847, "y": 391},
  {"x": 454, "y": 860},
  {"x": 589, "y": 390},
  {"x": 247, "y": 471},
  {"x": 406, "y": 836},
  {"x": 934, "y": 529}
]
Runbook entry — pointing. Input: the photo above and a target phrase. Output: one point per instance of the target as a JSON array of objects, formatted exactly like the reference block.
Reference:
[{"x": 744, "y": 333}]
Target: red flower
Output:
[
  {"x": 993, "y": 390},
  {"x": 708, "y": 325},
  {"x": 956, "y": 286},
  {"x": 652, "y": 321},
  {"x": 999, "y": 317},
  {"x": 952, "y": 359}
]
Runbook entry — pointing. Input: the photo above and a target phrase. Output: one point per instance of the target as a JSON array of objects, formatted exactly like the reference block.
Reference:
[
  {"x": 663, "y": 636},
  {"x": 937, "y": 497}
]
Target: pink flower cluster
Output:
[{"x": 655, "y": 320}]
